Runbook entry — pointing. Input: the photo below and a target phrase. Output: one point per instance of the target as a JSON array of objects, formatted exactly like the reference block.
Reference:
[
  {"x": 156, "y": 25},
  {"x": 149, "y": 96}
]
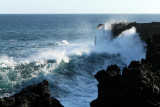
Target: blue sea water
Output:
[{"x": 60, "y": 48}]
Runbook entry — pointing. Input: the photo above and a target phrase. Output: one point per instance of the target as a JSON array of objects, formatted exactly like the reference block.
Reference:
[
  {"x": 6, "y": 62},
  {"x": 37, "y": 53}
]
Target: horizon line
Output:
[{"x": 79, "y": 13}]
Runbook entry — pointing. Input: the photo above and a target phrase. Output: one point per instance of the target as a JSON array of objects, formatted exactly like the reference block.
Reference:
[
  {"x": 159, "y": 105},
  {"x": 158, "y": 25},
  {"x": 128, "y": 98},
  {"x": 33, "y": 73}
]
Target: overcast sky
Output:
[{"x": 79, "y": 6}]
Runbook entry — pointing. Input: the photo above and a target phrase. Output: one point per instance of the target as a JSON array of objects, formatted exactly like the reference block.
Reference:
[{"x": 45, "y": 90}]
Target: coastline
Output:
[
  {"x": 139, "y": 84},
  {"x": 113, "y": 88}
]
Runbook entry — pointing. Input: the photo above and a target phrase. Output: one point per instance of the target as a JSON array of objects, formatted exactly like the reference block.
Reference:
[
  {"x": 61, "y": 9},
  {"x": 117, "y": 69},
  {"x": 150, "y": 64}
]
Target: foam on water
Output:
[
  {"x": 128, "y": 44},
  {"x": 69, "y": 67},
  {"x": 63, "y": 42}
]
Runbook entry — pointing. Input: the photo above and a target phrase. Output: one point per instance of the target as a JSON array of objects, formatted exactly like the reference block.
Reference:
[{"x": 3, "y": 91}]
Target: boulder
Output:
[{"x": 32, "y": 96}]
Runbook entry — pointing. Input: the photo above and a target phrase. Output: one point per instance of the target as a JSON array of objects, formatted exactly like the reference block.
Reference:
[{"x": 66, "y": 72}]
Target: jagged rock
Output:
[
  {"x": 146, "y": 30},
  {"x": 139, "y": 84},
  {"x": 32, "y": 96}
]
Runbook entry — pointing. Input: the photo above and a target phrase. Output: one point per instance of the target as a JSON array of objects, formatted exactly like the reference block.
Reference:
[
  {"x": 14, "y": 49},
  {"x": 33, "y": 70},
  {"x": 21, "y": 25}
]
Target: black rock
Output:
[
  {"x": 139, "y": 84},
  {"x": 32, "y": 96},
  {"x": 153, "y": 49},
  {"x": 146, "y": 30},
  {"x": 100, "y": 26}
]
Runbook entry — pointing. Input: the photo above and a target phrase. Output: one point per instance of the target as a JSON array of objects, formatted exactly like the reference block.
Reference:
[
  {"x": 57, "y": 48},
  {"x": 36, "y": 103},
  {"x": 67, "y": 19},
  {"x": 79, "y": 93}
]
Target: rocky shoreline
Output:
[{"x": 137, "y": 86}]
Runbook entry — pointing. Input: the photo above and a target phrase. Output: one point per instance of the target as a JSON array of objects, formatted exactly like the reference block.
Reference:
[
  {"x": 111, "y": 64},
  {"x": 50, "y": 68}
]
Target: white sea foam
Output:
[
  {"x": 74, "y": 63},
  {"x": 63, "y": 42},
  {"x": 128, "y": 44},
  {"x": 6, "y": 61}
]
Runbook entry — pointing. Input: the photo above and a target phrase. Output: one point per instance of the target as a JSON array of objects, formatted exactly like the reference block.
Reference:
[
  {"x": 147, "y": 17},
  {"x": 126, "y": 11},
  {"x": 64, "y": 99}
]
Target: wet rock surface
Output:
[
  {"x": 137, "y": 86},
  {"x": 32, "y": 96}
]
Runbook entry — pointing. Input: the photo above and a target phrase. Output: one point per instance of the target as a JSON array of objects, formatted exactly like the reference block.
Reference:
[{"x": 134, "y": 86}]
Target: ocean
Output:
[{"x": 65, "y": 49}]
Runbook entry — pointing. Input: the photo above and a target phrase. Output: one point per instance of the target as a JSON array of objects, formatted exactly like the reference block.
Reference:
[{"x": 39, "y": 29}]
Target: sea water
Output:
[{"x": 62, "y": 49}]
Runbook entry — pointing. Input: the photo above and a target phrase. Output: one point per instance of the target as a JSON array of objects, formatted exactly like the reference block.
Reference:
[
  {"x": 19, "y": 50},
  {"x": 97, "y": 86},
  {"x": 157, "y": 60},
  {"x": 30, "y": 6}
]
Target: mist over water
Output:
[
  {"x": 127, "y": 45},
  {"x": 70, "y": 67},
  {"x": 68, "y": 59}
]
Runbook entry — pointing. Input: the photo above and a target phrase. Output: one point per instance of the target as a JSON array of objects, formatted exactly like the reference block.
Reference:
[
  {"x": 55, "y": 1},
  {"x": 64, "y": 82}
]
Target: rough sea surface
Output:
[{"x": 62, "y": 50}]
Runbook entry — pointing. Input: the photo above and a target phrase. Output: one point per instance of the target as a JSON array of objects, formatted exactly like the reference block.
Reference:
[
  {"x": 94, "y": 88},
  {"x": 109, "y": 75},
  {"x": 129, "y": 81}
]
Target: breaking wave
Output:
[{"x": 69, "y": 67}]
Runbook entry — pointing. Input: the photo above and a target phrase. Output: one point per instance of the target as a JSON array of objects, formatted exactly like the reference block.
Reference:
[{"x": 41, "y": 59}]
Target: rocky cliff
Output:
[{"x": 139, "y": 84}]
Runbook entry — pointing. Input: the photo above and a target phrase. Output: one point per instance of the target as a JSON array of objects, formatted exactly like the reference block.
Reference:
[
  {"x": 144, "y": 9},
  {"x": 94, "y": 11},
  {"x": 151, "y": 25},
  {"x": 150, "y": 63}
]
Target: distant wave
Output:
[{"x": 63, "y": 42}]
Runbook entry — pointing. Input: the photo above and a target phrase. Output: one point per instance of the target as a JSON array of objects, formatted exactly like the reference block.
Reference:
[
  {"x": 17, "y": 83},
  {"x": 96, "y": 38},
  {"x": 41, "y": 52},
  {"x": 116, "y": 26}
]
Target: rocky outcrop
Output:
[
  {"x": 32, "y": 96},
  {"x": 139, "y": 84},
  {"x": 146, "y": 30},
  {"x": 153, "y": 50}
]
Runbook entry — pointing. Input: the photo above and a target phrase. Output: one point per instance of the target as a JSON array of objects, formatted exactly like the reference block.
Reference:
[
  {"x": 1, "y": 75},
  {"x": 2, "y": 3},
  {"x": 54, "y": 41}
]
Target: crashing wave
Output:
[
  {"x": 63, "y": 42},
  {"x": 128, "y": 44},
  {"x": 69, "y": 67}
]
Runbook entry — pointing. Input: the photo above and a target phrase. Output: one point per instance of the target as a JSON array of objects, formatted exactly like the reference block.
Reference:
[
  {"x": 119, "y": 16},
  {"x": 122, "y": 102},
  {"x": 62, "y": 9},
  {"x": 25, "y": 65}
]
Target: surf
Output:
[{"x": 69, "y": 67}]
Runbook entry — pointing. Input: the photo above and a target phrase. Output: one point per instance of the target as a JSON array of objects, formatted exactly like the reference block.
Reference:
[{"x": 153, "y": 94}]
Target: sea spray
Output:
[
  {"x": 127, "y": 45},
  {"x": 69, "y": 67}
]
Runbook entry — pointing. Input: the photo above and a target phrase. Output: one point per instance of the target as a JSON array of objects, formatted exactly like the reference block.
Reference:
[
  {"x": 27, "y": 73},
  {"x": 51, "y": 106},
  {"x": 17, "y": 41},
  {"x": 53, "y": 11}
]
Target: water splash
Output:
[
  {"x": 63, "y": 42},
  {"x": 69, "y": 67},
  {"x": 127, "y": 45}
]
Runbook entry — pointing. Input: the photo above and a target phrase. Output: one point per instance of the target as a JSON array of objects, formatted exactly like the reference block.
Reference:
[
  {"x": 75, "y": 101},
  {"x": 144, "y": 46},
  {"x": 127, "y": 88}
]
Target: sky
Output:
[{"x": 79, "y": 6}]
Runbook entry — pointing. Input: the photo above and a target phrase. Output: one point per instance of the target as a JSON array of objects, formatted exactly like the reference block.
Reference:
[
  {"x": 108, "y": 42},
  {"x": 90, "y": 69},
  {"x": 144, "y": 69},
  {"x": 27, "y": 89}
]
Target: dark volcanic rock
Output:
[
  {"x": 153, "y": 50},
  {"x": 32, "y": 96},
  {"x": 139, "y": 84},
  {"x": 146, "y": 30}
]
